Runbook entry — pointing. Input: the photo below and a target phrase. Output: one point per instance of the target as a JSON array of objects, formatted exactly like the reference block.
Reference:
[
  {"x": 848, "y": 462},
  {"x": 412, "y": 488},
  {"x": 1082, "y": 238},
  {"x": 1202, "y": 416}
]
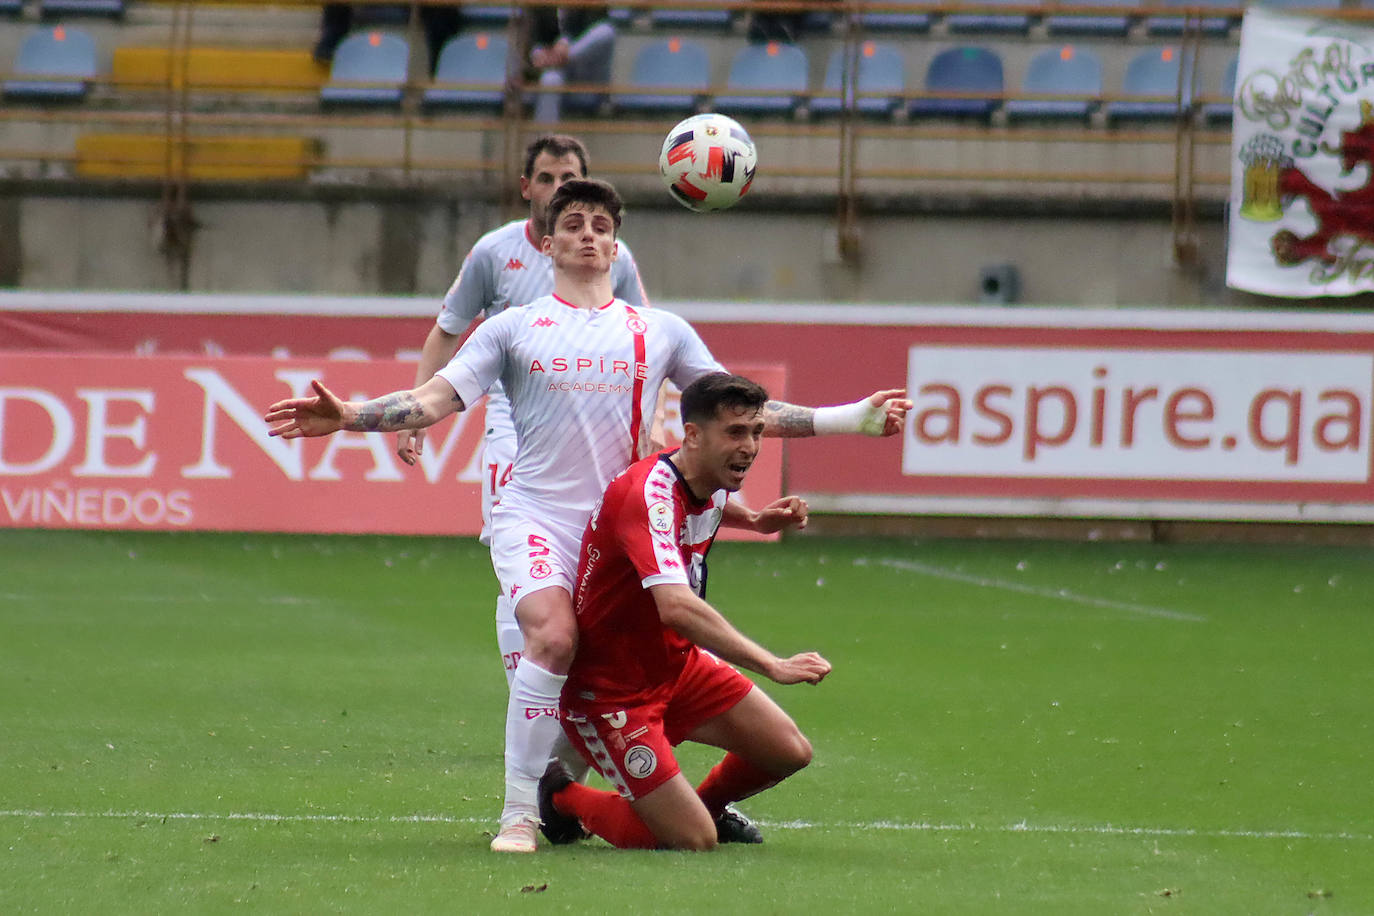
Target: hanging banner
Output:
[{"x": 1302, "y": 163}]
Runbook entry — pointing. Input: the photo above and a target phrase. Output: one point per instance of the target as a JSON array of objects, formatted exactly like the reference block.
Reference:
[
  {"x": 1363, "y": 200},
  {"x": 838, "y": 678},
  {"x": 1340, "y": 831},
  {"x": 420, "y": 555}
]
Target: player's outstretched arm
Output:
[
  {"x": 438, "y": 349},
  {"x": 324, "y": 412},
  {"x": 680, "y": 608},
  {"x": 788, "y": 512},
  {"x": 882, "y": 413}
]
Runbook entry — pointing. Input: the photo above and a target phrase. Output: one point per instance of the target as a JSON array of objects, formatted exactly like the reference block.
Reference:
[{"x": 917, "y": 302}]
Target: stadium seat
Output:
[
  {"x": 376, "y": 58},
  {"x": 470, "y": 73},
  {"x": 1152, "y": 72},
  {"x": 1307, "y": 4},
  {"x": 990, "y": 20},
  {"x": 11, "y": 7},
  {"x": 1221, "y": 112},
  {"x": 1063, "y": 71},
  {"x": 53, "y": 8},
  {"x": 772, "y": 67},
  {"x": 55, "y": 63},
  {"x": 1067, "y": 22},
  {"x": 673, "y": 63},
  {"x": 1175, "y": 25},
  {"x": 720, "y": 19},
  {"x": 880, "y": 69},
  {"x": 963, "y": 69},
  {"x": 896, "y": 21},
  {"x": 489, "y": 16}
]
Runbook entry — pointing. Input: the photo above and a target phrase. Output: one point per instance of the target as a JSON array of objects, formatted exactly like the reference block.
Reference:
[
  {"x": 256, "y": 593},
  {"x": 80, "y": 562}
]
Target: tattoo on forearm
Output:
[
  {"x": 388, "y": 414},
  {"x": 788, "y": 421}
]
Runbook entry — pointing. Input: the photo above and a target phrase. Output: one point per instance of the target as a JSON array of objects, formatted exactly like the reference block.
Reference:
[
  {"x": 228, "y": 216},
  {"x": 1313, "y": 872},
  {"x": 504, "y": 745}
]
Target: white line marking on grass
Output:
[
  {"x": 876, "y": 826},
  {"x": 183, "y": 598},
  {"x": 1063, "y": 594}
]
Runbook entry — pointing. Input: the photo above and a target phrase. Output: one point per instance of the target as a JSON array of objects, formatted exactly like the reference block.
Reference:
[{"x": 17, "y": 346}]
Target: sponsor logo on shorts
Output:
[
  {"x": 640, "y": 762},
  {"x": 534, "y": 712},
  {"x": 540, "y": 569}
]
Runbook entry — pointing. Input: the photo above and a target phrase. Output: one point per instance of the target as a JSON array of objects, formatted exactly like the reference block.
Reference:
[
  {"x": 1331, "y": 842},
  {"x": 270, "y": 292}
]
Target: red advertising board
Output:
[
  {"x": 1042, "y": 412},
  {"x": 168, "y": 443}
]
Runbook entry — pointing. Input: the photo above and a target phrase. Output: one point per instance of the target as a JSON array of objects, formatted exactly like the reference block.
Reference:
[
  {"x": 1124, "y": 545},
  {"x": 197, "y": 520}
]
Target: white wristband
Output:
[{"x": 860, "y": 417}]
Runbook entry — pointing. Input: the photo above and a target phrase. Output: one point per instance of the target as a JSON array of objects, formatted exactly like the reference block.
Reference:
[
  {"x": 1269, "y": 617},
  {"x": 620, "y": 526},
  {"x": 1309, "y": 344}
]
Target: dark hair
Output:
[
  {"x": 703, "y": 399},
  {"x": 590, "y": 192},
  {"x": 557, "y": 145}
]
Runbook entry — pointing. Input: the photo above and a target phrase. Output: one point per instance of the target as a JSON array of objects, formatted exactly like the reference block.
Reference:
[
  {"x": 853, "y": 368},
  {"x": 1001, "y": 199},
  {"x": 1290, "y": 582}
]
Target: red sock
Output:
[
  {"x": 733, "y": 779},
  {"x": 607, "y": 815}
]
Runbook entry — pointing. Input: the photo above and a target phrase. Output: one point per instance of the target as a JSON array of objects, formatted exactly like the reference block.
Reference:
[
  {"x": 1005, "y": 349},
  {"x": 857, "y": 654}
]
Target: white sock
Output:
[
  {"x": 563, "y": 749},
  {"x": 531, "y": 729}
]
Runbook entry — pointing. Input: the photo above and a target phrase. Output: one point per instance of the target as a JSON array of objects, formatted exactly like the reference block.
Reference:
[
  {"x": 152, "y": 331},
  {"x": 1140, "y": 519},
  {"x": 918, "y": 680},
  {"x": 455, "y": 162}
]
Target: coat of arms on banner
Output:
[{"x": 1302, "y": 188}]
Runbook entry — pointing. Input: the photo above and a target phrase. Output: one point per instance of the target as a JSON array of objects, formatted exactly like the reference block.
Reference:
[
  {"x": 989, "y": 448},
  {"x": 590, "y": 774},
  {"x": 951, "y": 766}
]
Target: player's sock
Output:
[
  {"x": 607, "y": 815},
  {"x": 564, "y": 751},
  {"x": 531, "y": 727},
  {"x": 733, "y": 779}
]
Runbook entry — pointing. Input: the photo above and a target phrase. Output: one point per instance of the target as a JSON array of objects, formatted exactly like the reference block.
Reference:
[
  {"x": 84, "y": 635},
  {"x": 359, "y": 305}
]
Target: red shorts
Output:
[{"x": 632, "y": 745}]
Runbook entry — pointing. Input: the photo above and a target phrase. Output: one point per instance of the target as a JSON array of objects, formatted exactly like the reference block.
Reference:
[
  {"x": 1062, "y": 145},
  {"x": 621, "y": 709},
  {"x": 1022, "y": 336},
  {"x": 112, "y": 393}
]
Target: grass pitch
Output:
[{"x": 199, "y": 723}]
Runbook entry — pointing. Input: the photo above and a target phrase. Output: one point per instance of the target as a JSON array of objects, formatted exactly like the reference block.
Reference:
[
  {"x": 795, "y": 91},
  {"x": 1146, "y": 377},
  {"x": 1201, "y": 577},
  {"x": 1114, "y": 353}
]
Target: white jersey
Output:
[
  {"x": 506, "y": 268},
  {"x": 583, "y": 384}
]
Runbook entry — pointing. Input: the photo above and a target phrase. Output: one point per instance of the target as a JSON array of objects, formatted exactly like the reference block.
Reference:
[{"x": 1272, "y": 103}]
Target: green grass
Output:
[{"x": 199, "y": 723}]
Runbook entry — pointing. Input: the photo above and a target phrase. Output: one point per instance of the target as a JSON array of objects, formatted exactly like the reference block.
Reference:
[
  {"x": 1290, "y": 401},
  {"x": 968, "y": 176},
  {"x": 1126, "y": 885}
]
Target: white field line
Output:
[
  {"x": 874, "y": 826},
  {"x": 1061, "y": 594}
]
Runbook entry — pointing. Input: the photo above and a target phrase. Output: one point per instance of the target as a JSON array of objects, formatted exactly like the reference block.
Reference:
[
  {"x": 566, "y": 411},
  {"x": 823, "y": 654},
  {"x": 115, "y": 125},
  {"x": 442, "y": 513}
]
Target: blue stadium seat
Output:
[
  {"x": 11, "y": 7},
  {"x": 896, "y": 21},
  {"x": 964, "y": 69},
  {"x": 1067, "y": 71},
  {"x": 54, "y": 8},
  {"x": 990, "y": 20},
  {"x": 1067, "y": 22},
  {"x": 1220, "y": 112},
  {"x": 880, "y": 69},
  {"x": 55, "y": 63},
  {"x": 771, "y": 67},
  {"x": 488, "y": 16},
  {"x": 474, "y": 63},
  {"x": 1174, "y": 25},
  {"x": 672, "y": 63},
  {"x": 691, "y": 19},
  {"x": 378, "y": 58},
  {"x": 1152, "y": 72}
]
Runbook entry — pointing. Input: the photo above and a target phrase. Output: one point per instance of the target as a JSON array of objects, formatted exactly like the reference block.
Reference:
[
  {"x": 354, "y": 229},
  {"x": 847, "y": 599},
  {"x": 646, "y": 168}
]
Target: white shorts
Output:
[
  {"x": 498, "y": 457},
  {"x": 532, "y": 551}
]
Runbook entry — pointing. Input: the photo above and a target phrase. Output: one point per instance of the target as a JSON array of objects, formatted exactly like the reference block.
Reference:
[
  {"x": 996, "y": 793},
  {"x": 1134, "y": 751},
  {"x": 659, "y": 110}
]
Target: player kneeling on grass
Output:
[{"x": 640, "y": 682}]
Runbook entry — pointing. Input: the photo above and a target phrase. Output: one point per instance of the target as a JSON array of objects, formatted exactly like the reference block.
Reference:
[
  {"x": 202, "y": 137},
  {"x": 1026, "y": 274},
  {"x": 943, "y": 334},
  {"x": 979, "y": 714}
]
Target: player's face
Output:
[
  {"x": 729, "y": 444},
  {"x": 550, "y": 172},
  {"x": 582, "y": 240}
]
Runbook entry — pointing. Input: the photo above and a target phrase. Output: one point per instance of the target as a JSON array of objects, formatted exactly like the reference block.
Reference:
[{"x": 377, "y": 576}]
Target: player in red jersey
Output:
[{"x": 648, "y": 673}]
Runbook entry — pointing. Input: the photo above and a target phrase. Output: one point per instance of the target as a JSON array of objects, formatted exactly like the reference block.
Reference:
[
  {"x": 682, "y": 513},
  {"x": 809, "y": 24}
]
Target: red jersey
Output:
[{"x": 647, "y": 530}]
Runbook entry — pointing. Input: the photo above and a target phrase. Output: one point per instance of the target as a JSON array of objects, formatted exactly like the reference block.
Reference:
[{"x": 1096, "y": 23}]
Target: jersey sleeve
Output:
[
  {"x": 647, "y": 528},
  {"x": 691, "y": 359},
  {"x": 479, "y": 361},
  {"x": 628, "y": 285},
  {"x": 471, "y": 292}
]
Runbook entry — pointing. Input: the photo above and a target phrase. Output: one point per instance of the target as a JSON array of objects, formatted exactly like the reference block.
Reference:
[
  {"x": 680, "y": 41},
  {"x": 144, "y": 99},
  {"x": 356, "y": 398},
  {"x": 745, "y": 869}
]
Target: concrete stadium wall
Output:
[{"x": 405, "y": 245}]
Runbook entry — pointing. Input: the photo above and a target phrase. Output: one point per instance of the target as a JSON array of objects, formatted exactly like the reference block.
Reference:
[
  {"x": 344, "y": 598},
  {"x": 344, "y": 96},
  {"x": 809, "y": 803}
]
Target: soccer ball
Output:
[{"x": 708, "y": 162}]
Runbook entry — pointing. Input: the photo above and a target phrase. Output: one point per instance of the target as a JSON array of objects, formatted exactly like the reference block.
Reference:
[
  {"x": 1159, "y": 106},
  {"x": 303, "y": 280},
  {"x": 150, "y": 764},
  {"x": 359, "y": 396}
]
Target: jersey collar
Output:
[{"x": 571, "y": 306}]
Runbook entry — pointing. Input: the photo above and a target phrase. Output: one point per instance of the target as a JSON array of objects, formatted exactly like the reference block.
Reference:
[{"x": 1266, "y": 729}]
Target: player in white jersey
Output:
[
  {"x": 507, "y": 267},
  {"x": 580, "y": 368}
]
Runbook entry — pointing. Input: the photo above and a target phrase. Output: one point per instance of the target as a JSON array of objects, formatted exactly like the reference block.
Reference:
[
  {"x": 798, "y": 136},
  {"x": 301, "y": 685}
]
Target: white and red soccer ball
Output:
[{"x": 708, "y": 162}]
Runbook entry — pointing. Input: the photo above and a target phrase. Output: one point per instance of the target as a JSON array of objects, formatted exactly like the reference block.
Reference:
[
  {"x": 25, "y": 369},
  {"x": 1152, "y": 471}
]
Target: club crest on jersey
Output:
[
  {"x": 640, "y": 762},
  {"x": 540, "y": 569},
  {"x": 636, "y": 324},
  {"x": 661, "y": 517}
]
